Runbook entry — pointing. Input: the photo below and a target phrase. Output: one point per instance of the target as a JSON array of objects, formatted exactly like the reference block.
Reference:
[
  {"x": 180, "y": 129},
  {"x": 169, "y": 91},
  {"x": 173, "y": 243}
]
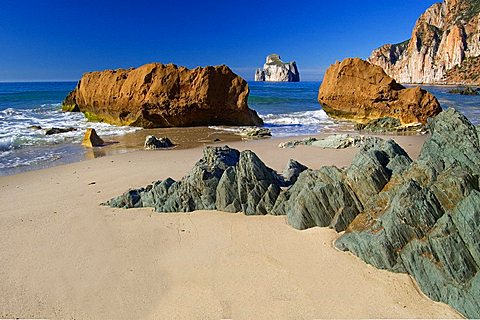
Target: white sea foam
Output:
[
  {"x": 296, "y": 123},
  {"x": 22, "y": 145},
  {"x": 16, "y": 127}
]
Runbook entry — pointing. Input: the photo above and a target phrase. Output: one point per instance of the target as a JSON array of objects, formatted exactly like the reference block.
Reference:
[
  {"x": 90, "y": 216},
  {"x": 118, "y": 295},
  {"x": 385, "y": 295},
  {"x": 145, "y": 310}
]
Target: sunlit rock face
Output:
[{"x": 444, "y": 42}]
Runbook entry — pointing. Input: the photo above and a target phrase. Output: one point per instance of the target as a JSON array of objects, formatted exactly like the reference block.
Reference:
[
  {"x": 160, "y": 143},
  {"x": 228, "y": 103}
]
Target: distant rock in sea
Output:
[
  {"x": 275, "y": 70},
  {"x": 156, "y": 95},
  {"x": 444, "y": 47},
  {"x": 357, "y": 90}
]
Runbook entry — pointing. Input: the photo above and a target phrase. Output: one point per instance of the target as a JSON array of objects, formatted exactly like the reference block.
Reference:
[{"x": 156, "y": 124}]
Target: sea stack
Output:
[
  {"x": 156, "y": 95},
  {"x": 275, "y": 70},
  {"x": 443, "y": 48},
  {"x": 357, "y": 90}
]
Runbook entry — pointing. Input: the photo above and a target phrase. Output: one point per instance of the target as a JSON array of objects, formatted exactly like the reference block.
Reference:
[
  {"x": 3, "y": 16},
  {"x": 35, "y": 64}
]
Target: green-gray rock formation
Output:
[
  {"x": 224, "y": 179},
  {"x": 425, "y": 219},
  {"x": 420, "y": 218},
  {"x": 330, "y": 197}
]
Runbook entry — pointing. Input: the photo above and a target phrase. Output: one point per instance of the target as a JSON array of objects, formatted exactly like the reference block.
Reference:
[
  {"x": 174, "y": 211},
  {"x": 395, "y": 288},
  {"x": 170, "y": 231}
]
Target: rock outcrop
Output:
[
  {"x": 255, "y": 132},
  {"x": 357, "y": 90},
  {"x": 420, "y": 217},
  {"x": 224, "y": 179},
  {"x": 91, "y": 139},
  {"x": 157, "y": 95},
  {"x": 275, "y": 70},
  {"x": 444, "y": 38},
  {"x": 153, "y": 143},
  {"x": 425, "y": 221}
]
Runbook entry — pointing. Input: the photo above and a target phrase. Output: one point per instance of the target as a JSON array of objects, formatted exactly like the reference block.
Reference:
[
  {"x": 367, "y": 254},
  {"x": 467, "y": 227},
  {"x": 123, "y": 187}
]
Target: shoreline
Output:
[
  {"x": 182, "y": 137},
  {"x": 84, "y": 260}
]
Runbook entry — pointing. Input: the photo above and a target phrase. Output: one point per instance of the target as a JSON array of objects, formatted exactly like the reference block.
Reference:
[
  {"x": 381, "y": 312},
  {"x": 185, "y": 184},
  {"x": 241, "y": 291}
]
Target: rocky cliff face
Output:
[
  {"x": 357, "y": 90},
  {"x": 276, "y": 70},
  {"x": 157, "y": 95},
  {"x": 443, "y": 38}
]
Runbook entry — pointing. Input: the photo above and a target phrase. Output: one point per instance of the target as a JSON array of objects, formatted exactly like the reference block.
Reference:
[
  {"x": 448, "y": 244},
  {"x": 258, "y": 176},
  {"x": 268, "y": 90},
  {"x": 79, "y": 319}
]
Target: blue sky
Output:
[{"x": 60, "y": 40}]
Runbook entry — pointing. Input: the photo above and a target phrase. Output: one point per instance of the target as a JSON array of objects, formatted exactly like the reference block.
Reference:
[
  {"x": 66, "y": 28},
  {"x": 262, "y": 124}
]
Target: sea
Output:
[{"x": 28, "y": 109}]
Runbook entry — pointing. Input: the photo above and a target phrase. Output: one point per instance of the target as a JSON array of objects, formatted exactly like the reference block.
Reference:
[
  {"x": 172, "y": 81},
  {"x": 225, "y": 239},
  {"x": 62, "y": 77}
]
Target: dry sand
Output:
[{"x": 64, "y": 256}]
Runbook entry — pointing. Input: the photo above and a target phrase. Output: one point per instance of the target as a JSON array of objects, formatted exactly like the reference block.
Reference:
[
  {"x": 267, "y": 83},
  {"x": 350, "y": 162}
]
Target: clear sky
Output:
[{"x": 60, "y": 40}]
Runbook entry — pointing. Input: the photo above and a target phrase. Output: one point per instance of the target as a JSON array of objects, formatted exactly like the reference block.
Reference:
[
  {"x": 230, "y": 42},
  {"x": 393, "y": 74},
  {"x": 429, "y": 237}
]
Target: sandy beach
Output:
[{"x": 65, "y": 256}]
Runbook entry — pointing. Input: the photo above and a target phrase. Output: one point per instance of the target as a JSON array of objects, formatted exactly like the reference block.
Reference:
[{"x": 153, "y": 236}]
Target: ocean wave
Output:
[
  {"x": 18, "y": 127},
  {"x": 298, "y": 118},
  {"x": 296, "y": 123}
]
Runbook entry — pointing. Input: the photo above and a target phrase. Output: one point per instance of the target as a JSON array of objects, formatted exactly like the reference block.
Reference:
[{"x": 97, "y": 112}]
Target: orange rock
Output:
[
  {"x": 91, "y": 139},
  {"x": 358, "y": 90},
  {"x": 157, "y": 95}
]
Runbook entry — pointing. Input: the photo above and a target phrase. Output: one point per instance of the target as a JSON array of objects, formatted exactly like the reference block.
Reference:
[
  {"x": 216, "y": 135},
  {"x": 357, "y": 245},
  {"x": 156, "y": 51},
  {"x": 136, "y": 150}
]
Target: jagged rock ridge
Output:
[
  {"x": 157, "y": 95},
  {"x": 444, "y": 37},
  {"x": 276, "y": 70},
  {"x": 425, "y": 221},
  {"x": 420, "y": 217}
]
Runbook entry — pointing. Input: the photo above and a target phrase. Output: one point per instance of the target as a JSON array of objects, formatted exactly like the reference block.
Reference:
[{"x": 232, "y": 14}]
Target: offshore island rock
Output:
[
  {"x": 156, "y": 95},
  {"x": 275, "y": 70},
  {"x": 357, "y": 90}
]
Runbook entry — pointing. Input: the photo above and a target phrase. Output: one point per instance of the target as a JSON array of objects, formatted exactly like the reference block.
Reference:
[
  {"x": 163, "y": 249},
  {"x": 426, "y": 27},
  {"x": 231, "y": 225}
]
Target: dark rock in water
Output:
[
  {"x": 224, "y": 179},
  {"x": 35, "y": 127},
  {"x": 468, "y": 91},
  {"x": 58, "y": 130},
  {"x": 425, "y": 220},
  {"x": 152, "y": 143}
]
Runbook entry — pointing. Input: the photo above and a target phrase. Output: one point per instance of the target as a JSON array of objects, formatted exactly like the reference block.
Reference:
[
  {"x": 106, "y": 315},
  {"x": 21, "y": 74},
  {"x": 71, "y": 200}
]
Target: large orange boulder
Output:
[
  {"x": 357, "y": 90},
  {"x": 156, "y": 95}
]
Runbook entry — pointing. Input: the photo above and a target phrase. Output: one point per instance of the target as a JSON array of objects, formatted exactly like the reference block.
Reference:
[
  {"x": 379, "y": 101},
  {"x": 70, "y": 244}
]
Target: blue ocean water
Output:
[{"x": 288, "y": 109}]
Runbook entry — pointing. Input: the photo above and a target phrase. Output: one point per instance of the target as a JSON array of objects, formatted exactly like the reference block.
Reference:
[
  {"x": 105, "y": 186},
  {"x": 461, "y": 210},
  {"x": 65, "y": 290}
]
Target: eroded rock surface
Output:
[
  {"x": 357, "y": 90},
  {"x": 156, "y": 95},
  {"x": 224, "y": 179},
  {"x": 443, "y": 48},
  {"x": 424, "y": 220}
]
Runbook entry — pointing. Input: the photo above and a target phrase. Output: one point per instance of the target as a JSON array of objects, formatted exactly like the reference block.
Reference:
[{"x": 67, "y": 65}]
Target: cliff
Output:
[
  {"x": 156, "y": 95},
  {"x": 444, "y": 38},
  {"x": 276, "y": 70},
  {"x": 357, "y": 90}
]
